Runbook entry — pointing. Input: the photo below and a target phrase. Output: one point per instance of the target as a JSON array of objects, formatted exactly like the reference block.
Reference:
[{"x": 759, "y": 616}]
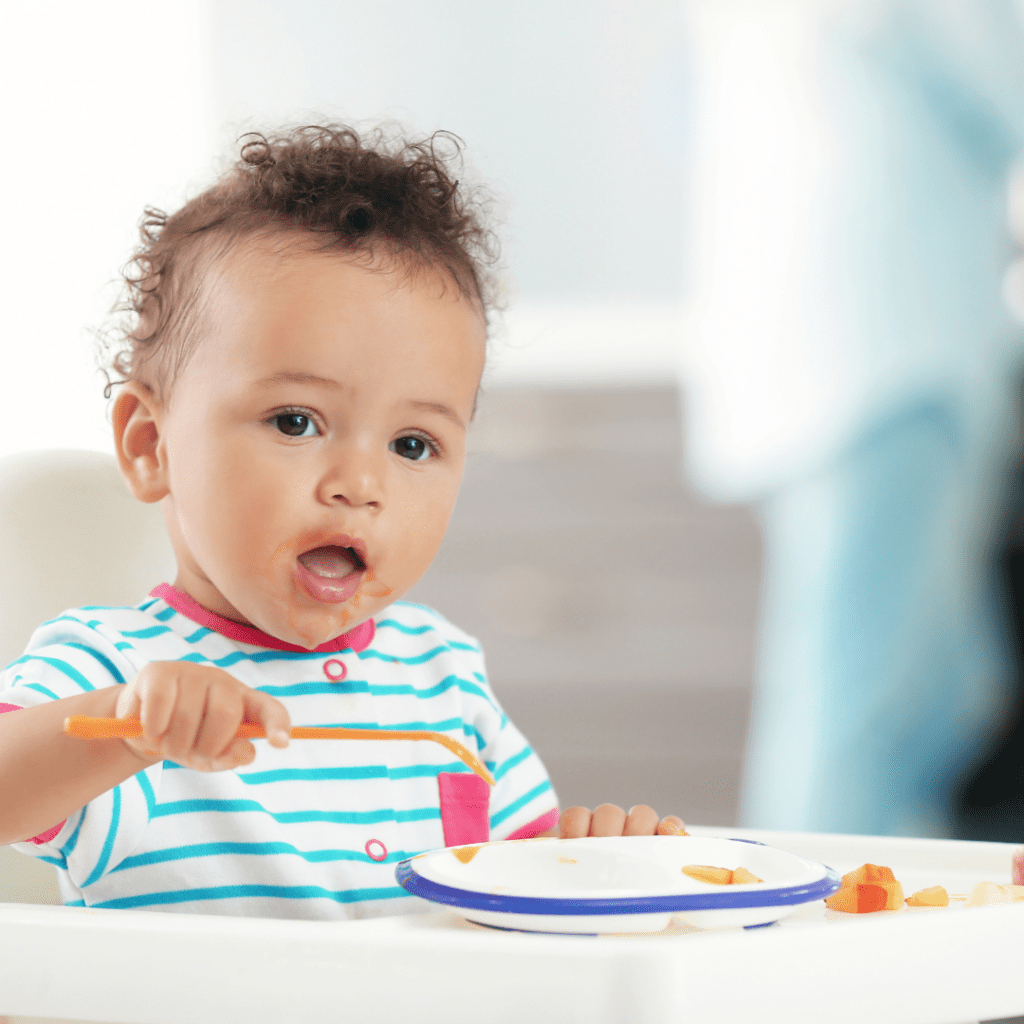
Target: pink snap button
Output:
[
  {"x": 335, "y": 670},
  {"x": 376, "y": 850}
]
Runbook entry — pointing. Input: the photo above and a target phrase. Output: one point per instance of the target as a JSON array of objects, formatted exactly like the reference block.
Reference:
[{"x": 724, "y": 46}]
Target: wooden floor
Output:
[{"x": 616, "y": 608}]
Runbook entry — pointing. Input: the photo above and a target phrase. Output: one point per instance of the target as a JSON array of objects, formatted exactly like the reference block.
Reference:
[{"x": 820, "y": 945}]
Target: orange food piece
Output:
[
  {"x": 985, "y": 894},
  {"x": 466, "y": 853},
  {"x": 934, "y": 896},
  {"x": 868, "y": 888},
  {"x": 741, "y": 876},
  {"x": 707, "y": 873},
  {"x": 865, "y": 898},
  {"x": 868, "y": 873}
]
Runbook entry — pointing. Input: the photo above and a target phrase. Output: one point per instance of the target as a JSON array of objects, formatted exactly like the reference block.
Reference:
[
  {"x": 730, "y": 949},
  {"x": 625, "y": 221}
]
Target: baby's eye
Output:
[
  {"x": 412, "y": 447},
  {"x": 295, "y": 424}
]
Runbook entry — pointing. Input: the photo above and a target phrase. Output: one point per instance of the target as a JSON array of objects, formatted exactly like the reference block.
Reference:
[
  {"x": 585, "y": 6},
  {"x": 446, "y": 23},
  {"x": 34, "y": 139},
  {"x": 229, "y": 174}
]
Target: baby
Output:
[{"x": 308, "y": 342}]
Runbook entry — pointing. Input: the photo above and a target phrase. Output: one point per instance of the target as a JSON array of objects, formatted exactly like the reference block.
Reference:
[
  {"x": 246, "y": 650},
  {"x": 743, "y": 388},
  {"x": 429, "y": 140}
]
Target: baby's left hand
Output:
[{"x": 609, "y": 820}]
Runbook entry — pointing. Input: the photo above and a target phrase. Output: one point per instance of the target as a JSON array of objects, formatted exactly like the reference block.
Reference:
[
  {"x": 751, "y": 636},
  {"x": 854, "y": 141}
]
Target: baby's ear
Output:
[{"x": 136, "y": 418}]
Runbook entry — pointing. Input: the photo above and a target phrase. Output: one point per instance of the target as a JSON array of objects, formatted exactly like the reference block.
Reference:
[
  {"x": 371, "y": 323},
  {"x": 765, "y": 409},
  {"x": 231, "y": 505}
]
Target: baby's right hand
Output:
[{"x": 190, "y": 714}]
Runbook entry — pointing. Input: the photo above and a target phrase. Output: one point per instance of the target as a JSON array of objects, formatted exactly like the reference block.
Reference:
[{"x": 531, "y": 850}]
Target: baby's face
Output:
[{"x": 315, "y": 441}]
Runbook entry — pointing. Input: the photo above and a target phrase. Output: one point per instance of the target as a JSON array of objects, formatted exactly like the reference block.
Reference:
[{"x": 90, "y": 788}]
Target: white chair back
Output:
[{"x": 70, "y": 534}]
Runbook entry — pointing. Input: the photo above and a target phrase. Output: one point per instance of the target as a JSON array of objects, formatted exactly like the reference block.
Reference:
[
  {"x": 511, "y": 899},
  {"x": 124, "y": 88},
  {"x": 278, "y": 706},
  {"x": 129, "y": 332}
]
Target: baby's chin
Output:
[{"x": 309, "y": 628}]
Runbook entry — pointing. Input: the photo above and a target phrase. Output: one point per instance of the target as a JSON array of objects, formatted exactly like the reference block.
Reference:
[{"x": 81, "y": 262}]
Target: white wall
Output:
[
  {"x": 106, "y": 109},
  {"x": 570, "y": 111}
]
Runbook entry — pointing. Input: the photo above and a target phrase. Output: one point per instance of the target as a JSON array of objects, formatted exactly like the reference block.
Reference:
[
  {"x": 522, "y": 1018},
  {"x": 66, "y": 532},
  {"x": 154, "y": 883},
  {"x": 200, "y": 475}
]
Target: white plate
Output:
[{"x": 619, "y": 884}]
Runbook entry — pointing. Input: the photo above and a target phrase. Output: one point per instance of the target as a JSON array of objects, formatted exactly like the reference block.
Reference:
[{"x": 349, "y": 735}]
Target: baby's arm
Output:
[
  {"x": 189, "y": 715},
  {"x": 609, "y": 820}
]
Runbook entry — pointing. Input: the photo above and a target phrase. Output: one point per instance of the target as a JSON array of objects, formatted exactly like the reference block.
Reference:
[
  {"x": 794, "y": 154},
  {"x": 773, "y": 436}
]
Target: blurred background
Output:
[{"x": 740, "y": 529}]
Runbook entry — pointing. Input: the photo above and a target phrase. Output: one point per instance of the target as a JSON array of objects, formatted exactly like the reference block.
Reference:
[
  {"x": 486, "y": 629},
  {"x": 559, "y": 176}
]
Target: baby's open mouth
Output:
[{"x": 332, "y": 562}]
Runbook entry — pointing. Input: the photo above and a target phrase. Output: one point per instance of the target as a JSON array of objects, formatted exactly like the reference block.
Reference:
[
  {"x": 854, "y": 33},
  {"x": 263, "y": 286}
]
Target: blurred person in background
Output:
[{"x": 852, "y": 367}]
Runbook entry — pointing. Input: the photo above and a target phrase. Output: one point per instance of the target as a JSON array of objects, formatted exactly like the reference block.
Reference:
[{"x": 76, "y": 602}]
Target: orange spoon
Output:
[{"x": 123, "y": 728}]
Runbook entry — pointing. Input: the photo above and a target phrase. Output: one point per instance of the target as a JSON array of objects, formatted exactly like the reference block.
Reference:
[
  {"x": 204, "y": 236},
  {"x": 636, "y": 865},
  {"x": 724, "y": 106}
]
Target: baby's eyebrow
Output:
[
  {"x": 295, "y": 377},
  {"x": 438, "y": 407}
]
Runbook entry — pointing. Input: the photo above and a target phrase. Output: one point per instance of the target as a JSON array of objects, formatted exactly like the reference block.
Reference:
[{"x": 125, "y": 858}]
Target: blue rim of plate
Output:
[{"x": 416, "y": 885}]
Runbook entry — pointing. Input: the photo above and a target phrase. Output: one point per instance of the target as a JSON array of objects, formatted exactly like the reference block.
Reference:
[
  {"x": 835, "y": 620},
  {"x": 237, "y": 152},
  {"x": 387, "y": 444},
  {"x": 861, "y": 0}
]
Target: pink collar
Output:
[{"x": 357, "y": 639}]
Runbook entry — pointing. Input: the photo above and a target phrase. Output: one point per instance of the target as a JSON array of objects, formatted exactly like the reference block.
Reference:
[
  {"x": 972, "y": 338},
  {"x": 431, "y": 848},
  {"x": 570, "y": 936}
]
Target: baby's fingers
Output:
[
  {"x": 574, "y": 823},
  {"x": 608, "y": 820},
  {"x": 641, "y": 821},
  {"x": 262, "y": 709},
  {"x": 216, "y": 743},
  {"x": 151, "y": 696}
]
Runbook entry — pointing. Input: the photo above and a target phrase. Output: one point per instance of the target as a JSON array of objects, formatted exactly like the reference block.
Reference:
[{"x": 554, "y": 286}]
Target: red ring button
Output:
[
  {"x": 335, "y": 670},
  {"x": 376, "y": 850}
]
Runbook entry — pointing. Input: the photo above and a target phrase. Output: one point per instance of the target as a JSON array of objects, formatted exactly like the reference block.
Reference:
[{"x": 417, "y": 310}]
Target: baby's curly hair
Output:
[{"x": 379, "y": 196}]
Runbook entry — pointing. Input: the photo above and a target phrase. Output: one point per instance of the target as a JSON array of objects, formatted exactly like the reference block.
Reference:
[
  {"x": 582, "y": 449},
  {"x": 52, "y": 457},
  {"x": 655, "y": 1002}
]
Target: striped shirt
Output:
[{"x": 312, "y": 831}]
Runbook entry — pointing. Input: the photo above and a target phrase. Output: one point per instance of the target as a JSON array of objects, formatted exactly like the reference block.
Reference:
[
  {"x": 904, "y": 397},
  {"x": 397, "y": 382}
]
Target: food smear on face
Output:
[
  {"x": 933, "y": 896},
  {"x": 1018, "y": 866},
  {"x": 720, "y": 876},
  {"x": 466, "y": 853}
]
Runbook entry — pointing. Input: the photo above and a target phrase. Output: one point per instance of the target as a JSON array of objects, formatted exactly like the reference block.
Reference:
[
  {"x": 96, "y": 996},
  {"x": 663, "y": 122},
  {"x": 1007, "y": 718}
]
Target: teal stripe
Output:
[
  {"x": 295, "y": 817},
  {"x": 42, "y": 689},
  {"x": 479, "y": 678},
  {"x": 459, "y": 646},
  {"x": 508, "y": 765},
  {"x": 425, "y": 771},
  {"x": 63, "y": 618},
  {"x": 75, "y": 903},
  {"x": 195, "y": 850},
  {"x": 374, "y": 690},
  {"x": 497, "y": 819},
  {"x": 349, "y": 773},
  {"x": 446, "y": 684},
  {"x": 70, "y": 845},
  {"x": 227, "y": 892},
  {"x": 419, "y": 607},
  {"x": 147, "y": 792},
  {"x": 198, "y": 635},
  {"x": 167, "y": 613},
  {"x": 228, "y": 660},
  {"x": 339, "y": 773},
  {"x": 57, "y": 863},
  {"x": 414, "y": 659},
  {"x": 101, "y": 658},
  {"x": 145, "y": 634},
  {"x": 268, "y": 655},
  {"x": 310, "y": 689},
  {"x": 259, "y": 656},
  {"x": 402, "y": 627},
  {"x": 108, "y": 844},
  {"x": 123, "y": 645},
  {"x": 62, "y": 666}
]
